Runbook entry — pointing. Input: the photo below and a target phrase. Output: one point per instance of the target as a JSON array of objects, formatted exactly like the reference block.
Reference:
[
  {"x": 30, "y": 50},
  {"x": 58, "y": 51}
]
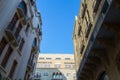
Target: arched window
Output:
[
  {"x": 57, "y": 76},
  {"x": 104, "y": 76},
  {"x": 53, "y": 75},
  {"x": 60, "y": 75},
  {"x": 23, "y": 7}
]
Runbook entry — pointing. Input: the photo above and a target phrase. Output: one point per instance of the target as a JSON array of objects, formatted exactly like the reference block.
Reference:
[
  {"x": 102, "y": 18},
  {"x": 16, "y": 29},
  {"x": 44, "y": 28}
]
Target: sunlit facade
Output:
[
  {"x": 20, "y": 37},
  {"x": 55, "y": 67},
  {"x": 96, "y": 40}
]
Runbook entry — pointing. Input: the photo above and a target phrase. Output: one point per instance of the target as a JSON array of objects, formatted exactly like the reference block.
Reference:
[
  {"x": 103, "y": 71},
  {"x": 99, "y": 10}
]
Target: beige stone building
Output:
[
  {"x": 55, "y": 67},
  {"x": 96, "y": 40},
  {"x": 20, "y": 36}
]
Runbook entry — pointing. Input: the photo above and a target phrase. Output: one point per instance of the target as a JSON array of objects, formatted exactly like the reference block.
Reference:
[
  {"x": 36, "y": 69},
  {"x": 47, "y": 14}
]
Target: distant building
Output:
[
  {"x": 96, "y": 38},
  {"x": 55, "y": 67},
  {"x": 20, "y": 37}
]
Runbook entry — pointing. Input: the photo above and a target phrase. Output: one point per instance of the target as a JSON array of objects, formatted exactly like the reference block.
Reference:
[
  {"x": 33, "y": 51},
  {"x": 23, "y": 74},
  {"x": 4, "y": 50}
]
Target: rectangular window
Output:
[
  {"x": 41, "y": 58},
  {"x": 79, "y": 30},
  {"x": 35, "y": 42},
  {"x": 21, "y": 44},
  {"x": 73, "y": 66},
  {"x": 86, "y": 21},
  {"x": 69, "y": 63},
  {"x": 47, "y": 65},
  {"x": 67, "y": 66},
  {"x": 74, "y": 76},
  {"x": 67, "y": 58},
  {"x": 13, "y": 69},
  {"x": 11, "y": 26},
  {"x": 18, "y": 30},
  {"x": 88, "y": 15},
  {"x": 6, "y": 57},
  {"x": 82, "y": 49},
  {"x": 27, "y": 29},
  {"x": 49, "y": 58},
  {"x": 88, "y": 29},
  {"x": 3, "y": 43},
  {"x": 96, "y": 4},
  {"x": 84, "y": 6},
  {"x": 58, "y": 58},
  {"x": 39, "y": 65},
  {"x": 105, "y": 7},
  {"x": 57, "y": 65}
]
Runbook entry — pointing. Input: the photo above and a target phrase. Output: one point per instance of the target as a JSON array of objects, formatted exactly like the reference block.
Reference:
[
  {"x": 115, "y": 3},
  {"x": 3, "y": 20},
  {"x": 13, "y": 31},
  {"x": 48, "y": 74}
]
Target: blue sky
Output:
[{"x": 58, "y": 21}]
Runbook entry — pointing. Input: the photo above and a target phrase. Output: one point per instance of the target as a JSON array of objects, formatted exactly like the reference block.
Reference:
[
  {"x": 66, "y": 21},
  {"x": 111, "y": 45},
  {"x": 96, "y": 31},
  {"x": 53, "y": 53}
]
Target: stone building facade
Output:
[
  {"x": 96, "y": 40},
  {"x": 55, "y": 67},
  {"x": 20, "y": 37}
]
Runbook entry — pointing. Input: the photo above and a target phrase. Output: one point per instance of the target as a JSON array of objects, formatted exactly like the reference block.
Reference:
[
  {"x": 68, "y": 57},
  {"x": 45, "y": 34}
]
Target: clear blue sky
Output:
[{"x": 58, "y": 18}]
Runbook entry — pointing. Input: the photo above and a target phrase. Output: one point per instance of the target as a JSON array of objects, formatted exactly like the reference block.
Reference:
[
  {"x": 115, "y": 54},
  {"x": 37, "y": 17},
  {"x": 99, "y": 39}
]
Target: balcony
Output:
[
  {"x": 30, "y": 66},
  {"x": 39, "y": 33},
  {"x": 22, "y": 10},
  {"x": 12, "y": 34}
]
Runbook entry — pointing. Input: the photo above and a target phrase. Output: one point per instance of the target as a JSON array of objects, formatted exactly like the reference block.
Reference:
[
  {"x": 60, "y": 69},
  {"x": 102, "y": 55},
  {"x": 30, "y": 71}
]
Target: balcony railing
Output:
[
  {"x": 12, "y": 34},
  {"x": 22, "y": 10},
  {"x": 30, "y": 65}
]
